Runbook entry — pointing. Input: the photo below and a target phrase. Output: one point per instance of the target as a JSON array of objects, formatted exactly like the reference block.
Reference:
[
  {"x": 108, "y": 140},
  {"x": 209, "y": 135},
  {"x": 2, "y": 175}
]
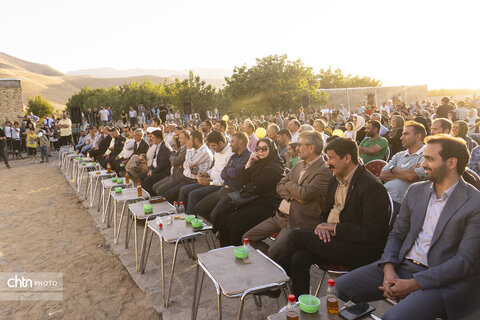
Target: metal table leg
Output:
[{"x": 171, "y": 272}]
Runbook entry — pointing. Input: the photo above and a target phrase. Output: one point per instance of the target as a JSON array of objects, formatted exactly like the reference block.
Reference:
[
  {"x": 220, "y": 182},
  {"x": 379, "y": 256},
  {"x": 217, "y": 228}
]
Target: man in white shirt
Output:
[
  {"x": 8, "y": 135},
  {"x": 16, "y": 140},
  {"x": 208, "y": 181},
  {"x": 198, "y": 158},
  {"x": 103, "y": 116},
  {"x": 319, "y": 125},
  {"x": 89, "y": 139},
  {"x": 293, "y": 127},
  {"x": 170, "y": 133}
]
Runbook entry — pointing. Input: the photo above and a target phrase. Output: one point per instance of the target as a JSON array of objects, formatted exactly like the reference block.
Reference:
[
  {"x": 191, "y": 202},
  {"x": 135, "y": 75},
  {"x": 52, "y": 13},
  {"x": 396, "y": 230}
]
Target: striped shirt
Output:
[{"x": 201, "y": 158}]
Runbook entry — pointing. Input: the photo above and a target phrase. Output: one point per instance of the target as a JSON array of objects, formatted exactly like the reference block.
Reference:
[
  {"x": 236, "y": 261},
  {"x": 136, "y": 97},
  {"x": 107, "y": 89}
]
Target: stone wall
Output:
[
  {"x": 11, "y": 105},
  {"x": 350, "y": 97}
]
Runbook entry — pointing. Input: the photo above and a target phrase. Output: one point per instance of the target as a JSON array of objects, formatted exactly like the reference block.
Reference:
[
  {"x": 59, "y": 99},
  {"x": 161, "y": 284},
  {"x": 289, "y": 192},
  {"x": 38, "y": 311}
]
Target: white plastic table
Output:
[
  {"x": 177, "y": 232},
  {"x": 136, "y": 212},
  {"x": 235, "y": 279}
]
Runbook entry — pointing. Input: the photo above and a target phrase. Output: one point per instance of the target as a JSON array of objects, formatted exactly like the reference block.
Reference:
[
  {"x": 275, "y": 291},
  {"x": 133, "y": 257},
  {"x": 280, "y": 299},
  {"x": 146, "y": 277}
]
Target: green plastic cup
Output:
[
  {"x": 114, "y": 179},
  {"x": 119, "y": 180},
  {"x": 189, "y": 218},
  {"x": 122, "y": 165},
  {"x": 309, "y": 303},
  {"x": 147, "y": 208},
  {"x": 197, "y": 223},
  {"x": 241, "y": 252},
  {"x": 84, "y": 163},
  {"x": 118, "y": 189}
]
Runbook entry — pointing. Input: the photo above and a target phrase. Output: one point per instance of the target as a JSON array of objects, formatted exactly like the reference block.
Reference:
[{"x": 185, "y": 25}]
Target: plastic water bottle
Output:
[
  {"x": 246, "y": 245},
  {"x": 175, "y": 205},
  {"x": 293, "y": 311},
  {"x": 332, "y": 297},
  {"x": 181, "y": 208}
]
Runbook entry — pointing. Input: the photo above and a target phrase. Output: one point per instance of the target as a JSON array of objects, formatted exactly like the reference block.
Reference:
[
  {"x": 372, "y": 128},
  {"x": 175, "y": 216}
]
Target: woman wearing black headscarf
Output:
[{"x": 259, "y": 178}]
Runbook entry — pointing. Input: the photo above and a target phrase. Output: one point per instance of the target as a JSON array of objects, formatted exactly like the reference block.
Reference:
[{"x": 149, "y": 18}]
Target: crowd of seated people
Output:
[{"x": 411, "y": 234}]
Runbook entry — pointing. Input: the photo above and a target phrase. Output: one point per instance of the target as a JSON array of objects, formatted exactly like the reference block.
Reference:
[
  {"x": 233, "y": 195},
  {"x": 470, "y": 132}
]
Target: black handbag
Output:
[{"x": 240, "y": 198}]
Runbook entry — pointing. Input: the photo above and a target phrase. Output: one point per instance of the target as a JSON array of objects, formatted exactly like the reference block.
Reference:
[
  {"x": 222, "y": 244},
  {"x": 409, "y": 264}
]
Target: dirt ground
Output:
[{"x": 45, "y": 228}]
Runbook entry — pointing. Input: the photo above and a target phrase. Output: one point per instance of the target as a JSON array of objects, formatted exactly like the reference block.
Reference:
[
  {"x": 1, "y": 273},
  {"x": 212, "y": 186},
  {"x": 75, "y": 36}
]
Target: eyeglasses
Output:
[
  {"x": 303, "y": 144},
  {"x": 263, "y": 149}
]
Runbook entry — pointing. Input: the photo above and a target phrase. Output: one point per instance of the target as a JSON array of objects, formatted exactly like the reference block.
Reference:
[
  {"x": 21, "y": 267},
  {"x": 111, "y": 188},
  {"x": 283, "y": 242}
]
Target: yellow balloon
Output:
[
  {"x": 337, "y": 132},
  {"x": 225, "y": 118},
  {"x": 260, "y": 133}
]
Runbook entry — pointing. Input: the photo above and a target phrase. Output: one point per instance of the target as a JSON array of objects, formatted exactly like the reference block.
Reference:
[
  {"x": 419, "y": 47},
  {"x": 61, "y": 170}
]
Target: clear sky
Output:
[{"x": 399, "y": 42}]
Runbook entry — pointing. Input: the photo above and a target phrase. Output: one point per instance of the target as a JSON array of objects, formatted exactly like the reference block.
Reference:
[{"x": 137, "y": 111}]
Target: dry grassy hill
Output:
[{"x": 57, "y": 87}]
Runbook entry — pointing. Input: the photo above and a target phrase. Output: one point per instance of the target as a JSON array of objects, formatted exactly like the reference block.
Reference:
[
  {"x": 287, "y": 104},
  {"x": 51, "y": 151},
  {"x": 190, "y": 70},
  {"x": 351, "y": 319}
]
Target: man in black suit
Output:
[
  {"x": 134, "y": 145},
  {"x": 160, "y": 167},
  {"x": 98, "y": 152},
  {"x": 354, "y": 220},
  {"x": 116, "y": 146}
]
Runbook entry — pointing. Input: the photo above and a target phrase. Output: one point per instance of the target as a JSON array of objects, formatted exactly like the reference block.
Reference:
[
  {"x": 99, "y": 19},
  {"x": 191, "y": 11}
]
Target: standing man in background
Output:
[{"x": 65, "y": 125}]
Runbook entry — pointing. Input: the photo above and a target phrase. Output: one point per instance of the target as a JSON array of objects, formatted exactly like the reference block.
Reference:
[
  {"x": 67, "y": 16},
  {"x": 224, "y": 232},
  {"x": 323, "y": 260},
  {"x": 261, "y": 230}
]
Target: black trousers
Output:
[
  {"x": 232, "y": 224},
  {"x": 65, "y": 140},
  {"x": 116, "y": 166},
  {"x": 304, "y": 248},
  {"x": 16, "y": 145},
  {"x": 95, "y": 154},
  {"x": 147, "y": 182},
  {"x": 105, "y": 160},
  {"x": 213, "y": 205},
  {"x": 3, "y": 151},
  {"x": 171, "y": 190}
]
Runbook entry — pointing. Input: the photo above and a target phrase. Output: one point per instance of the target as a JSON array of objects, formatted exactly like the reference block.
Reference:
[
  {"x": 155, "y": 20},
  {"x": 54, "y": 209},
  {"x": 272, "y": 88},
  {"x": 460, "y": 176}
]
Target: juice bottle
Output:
[
  {"x": 332, "y": 297},
  {"x": 292, "y": 309},
  {"x": 139, "y": 189}
]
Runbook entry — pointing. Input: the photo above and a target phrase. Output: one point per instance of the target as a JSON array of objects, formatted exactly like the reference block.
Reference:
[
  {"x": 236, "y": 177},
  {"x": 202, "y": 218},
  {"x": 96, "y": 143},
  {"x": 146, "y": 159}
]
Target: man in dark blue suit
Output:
[
  {"x": 431, "y": 261},
  {"x": 160, "y": 167}
]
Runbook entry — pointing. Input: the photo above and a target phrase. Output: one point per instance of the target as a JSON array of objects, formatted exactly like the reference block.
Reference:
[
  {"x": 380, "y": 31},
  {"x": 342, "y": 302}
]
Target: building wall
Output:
[
  {"x": 351, "y": 97},
  {"x": 11, "y": 106}
]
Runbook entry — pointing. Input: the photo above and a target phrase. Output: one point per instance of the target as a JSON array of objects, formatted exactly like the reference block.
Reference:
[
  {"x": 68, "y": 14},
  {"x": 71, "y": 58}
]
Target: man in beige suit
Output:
[{"x": 303, "y": 191}]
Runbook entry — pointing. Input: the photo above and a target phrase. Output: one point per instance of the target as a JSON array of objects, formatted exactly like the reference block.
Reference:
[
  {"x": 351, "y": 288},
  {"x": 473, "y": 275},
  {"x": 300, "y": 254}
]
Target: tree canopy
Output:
[
  {"x": 149, "y": 94},
  {"x": 336, "y": 79},
  {"x": 39, "y": 106},
  {"x": 272, "y": 84}
]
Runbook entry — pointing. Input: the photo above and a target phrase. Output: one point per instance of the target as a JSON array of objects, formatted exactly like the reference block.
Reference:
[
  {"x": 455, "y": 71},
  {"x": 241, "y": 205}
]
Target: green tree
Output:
[
  {"x": 196, "y": 90},
  {"x": 272, "y": 84},
  {"x": 132, "y": 94},
  {"x": 78, "y": 99},
  {"x": 336, "y": 79},
  {"x": 39, "y": 106}
]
